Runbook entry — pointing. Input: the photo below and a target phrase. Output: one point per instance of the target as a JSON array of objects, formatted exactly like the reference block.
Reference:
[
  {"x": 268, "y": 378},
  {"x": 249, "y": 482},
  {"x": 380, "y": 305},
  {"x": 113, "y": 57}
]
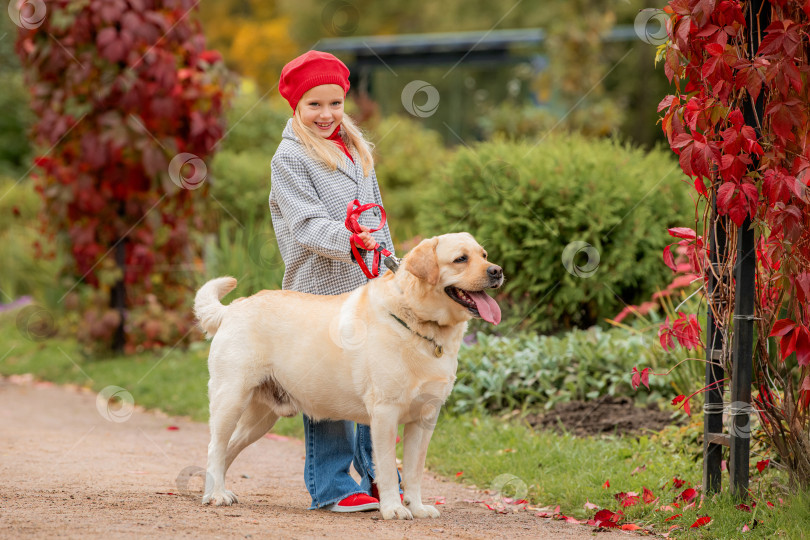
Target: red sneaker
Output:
[
  {"x": 376, "y": 493},
  {"x": 359, "y": 502}
]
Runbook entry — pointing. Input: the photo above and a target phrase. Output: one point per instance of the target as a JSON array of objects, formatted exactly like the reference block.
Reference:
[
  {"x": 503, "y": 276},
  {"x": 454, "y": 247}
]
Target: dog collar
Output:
[{"x": 438, "y": 350}]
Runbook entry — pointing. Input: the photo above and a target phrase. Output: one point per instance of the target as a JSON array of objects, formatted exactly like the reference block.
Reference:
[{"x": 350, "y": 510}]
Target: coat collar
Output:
[{"x": 353, "y": 170}]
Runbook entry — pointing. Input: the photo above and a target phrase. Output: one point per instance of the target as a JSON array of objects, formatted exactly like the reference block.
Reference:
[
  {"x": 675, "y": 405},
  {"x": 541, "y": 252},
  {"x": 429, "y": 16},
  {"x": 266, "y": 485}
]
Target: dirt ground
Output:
[
  {"x": 604, "y": 416},
  {"x": 69, "y": 472}
]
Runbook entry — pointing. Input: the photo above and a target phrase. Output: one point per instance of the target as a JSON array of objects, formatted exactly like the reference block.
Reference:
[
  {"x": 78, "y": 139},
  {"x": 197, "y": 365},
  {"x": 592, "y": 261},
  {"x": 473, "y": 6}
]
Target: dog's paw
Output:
[
  {"x": 422, "y": 511},
  {"x": 220, "y": 498},
  {"x": 396, "y": 511}
]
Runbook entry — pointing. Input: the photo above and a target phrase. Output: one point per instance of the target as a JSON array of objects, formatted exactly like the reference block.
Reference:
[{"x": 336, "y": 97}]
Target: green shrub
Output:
[
  {"x": 530, "y": 205},
  {"x": 249, "y": 253},
  {"x": 500, "y": 374},
  {"x": 406, "y": 154},
  {"x": 24, "y": 273},
  {"x": 240, "y": 172}
]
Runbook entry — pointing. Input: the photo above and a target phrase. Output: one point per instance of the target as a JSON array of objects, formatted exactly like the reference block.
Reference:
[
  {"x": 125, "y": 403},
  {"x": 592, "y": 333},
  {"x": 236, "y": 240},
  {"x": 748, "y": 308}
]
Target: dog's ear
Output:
[{"x": 422, "y": 262}]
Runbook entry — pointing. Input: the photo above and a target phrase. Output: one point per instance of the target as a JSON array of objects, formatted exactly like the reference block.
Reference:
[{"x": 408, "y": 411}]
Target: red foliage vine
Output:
[
  {"x": 120, "y": 88},
  {"x": 765, "y": 178}
]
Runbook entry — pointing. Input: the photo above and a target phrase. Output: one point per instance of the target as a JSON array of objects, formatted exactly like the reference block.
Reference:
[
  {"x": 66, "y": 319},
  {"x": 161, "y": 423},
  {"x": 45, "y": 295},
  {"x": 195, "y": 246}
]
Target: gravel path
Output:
[{"x": 68, "y": 472}]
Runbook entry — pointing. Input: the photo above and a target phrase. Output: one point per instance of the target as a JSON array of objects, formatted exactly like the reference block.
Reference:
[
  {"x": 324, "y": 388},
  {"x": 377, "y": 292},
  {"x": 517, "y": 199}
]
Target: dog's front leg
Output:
[
  {"x": 383, "y": 441},
  {"x": 414, "y": 445}
]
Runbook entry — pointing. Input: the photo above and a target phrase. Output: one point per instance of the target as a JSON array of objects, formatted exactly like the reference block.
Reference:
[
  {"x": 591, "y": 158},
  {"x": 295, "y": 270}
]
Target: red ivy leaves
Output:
[
  {"x": 640, "y": 378},
  {"x": 737, "y": 200},
  {"x": 782, "y": 36},
  {"x": 795, "y": 338},
  {"x": 685, "y": 329},
  {"x": 686, "y": 408}
]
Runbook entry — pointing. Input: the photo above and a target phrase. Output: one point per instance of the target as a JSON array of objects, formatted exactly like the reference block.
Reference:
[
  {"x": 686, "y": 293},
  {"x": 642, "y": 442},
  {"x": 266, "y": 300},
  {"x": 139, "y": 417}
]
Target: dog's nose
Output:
[{"x": 495, "y": 272}]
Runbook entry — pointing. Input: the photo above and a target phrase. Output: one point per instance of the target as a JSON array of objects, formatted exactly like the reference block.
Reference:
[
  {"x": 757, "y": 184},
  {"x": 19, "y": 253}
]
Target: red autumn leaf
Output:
[
  {"x": 784, "y": 116},
  {"x": 173, "y": 428},
  {"x": 687, "y": 331},
  {"x": 682, "y": 232},
  {"x": 701, "y": 521},
  {"x": 669, "y": 259},
  {"x": 636, "y": 379},
  {"x": 670, "y": 518},
  {"x": 665, "y": 334},
  {"x": 675, "y": 401},
  {"x": 645, "y": 377},
  {"x": 459, "y": 473},
  {"x": 781, "y": 35},
  {"x": 627, "y": 499},
  {"x": 761, "y": 465},
  {"x": 803, "y": 346},
  {"x": 743, "y": 507},
  {"x": 688, "y": 495},
  {"x": 648, "y": 496},
  {"x": 606, "y": 484},
  {"x": 687, "y": 408},
  {"x": 777, "y": 186},
  {"x": 607, "y": 515},
  {"x": 630, "y": 527}
]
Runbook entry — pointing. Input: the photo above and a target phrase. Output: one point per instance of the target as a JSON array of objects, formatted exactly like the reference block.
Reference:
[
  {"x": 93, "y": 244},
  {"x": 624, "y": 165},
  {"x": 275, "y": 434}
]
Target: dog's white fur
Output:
[{"x": 342, "y": 357}]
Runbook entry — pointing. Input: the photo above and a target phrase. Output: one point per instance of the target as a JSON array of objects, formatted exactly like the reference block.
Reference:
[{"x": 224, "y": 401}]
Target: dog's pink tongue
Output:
[{"x": 487, "y": 307}]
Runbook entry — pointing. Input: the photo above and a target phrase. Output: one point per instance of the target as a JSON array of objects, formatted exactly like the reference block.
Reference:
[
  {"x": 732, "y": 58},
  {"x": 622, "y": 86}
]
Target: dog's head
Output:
[{"x": 453, "y": 274}]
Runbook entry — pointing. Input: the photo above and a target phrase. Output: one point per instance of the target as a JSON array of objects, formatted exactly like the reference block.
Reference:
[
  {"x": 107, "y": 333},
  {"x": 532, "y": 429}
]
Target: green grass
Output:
[
  {"x": 546, "y": 468},
  {"x": 553, "y": 469}
]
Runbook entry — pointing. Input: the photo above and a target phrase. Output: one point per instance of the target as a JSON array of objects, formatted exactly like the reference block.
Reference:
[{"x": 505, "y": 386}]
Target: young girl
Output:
[{"x": 322, "y": 164}]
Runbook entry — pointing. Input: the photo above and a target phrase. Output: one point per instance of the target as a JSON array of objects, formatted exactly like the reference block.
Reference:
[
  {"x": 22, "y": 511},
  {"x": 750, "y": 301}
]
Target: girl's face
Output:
[{"x": 321, "y": 109}]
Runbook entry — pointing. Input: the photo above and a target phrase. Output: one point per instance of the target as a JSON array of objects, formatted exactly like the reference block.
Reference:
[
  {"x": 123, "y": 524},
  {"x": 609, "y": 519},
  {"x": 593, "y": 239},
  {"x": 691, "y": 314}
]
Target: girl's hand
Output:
[{"x": 368, "y": 241}]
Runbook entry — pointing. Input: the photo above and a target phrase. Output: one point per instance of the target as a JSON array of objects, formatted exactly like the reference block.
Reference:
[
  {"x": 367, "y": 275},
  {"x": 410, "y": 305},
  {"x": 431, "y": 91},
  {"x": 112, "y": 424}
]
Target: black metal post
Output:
[
  {"x": 713, "y": 438},
  {"x": 739, "y": 425},
  {"x": 758, "y": 18}
]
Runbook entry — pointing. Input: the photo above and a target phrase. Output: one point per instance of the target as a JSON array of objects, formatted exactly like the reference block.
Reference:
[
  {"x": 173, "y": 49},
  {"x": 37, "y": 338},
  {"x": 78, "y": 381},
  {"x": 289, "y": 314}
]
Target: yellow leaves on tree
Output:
[{"x": 260, "y": 50}]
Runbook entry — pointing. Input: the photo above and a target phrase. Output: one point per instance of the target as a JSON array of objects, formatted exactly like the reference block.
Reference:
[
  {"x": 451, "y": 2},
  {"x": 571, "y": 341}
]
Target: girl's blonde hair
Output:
[{"x": 330, "y": 153}]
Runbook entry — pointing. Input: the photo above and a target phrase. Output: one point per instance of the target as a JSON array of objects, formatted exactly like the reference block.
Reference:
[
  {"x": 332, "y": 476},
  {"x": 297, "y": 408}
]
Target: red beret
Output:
[{"x": 311, "y": 69}]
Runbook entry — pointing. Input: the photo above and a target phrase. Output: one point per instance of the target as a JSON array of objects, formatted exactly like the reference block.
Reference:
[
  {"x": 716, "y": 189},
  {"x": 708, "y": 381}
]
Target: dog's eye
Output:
[
  {"x": 484, "y": 255},
  {"x": 461, "y": 259}
]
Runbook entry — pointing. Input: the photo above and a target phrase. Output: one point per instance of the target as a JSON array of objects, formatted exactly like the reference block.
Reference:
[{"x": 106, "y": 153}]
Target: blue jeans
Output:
[{"x": 331, "y": 448}]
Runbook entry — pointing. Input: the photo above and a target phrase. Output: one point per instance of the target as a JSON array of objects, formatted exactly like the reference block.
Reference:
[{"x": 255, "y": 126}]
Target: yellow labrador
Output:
[{"x": 384, "y": 354}]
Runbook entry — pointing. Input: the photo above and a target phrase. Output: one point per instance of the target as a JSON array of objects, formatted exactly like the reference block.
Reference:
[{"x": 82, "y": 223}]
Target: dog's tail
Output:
[{"x": 207, "y": 307}]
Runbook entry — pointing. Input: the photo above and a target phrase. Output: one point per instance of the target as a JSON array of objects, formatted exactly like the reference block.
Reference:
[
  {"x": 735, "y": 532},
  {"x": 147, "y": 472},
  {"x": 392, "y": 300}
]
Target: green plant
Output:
[
  {"x": 249, "y": 253},
  {"x": 406, "y": 153},
  {"x": 577, "y": 225},
  {"x": 499, "y": 374}
]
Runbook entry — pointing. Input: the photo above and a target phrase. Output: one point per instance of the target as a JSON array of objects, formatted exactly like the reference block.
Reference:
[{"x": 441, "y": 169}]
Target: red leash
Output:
[{"x": 353, "y": 212}]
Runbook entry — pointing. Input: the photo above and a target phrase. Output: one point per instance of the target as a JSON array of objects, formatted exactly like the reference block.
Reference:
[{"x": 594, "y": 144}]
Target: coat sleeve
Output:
[{"x": 305, "y": 214}]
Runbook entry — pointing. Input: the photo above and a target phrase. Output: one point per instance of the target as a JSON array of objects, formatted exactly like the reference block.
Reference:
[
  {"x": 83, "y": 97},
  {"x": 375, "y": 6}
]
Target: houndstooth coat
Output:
[{"x": 308, "y": 208}]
